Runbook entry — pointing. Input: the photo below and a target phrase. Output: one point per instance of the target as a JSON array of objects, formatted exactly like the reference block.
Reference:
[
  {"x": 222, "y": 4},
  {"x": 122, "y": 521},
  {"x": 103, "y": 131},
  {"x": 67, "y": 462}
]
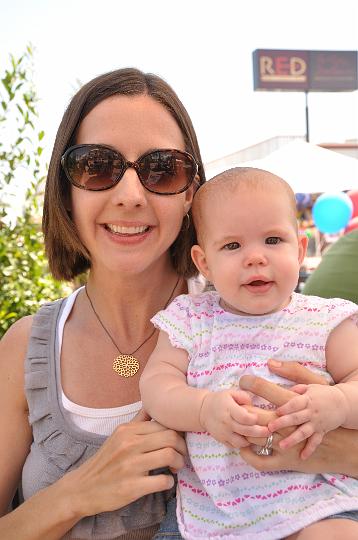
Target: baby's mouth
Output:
[{"x": 258, "y": 285}]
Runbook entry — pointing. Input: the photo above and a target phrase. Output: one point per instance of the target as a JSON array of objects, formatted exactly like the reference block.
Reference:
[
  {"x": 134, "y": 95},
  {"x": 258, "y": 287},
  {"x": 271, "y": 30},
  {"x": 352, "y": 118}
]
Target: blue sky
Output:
[{"x": 202, "y": 48}]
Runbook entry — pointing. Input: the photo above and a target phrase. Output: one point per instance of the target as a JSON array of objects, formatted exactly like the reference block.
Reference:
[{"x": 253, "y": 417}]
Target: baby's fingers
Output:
[
  {"x": 295, "y": 404},
  {"x": 311, "y": 445},
  {"x": 300, "y": 434},
  {"x": 299, "y": 388},
  {"x": 251, "y": 431},
  {"x": 241, "y": 397},
  {"x": 294, "y": 419},
  {"x": 243, "y": 416}
]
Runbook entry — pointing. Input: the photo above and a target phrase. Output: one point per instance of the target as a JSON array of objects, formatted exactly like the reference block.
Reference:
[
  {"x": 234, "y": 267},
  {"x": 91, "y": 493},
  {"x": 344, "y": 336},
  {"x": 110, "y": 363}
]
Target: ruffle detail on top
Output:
[
  {"x": 62, "y": 451},
  {"x": 56, "y": 439}
]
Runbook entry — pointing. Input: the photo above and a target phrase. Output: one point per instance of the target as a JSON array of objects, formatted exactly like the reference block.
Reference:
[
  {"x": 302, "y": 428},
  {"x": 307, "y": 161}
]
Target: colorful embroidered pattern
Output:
[{"x": 219, "y": 495}]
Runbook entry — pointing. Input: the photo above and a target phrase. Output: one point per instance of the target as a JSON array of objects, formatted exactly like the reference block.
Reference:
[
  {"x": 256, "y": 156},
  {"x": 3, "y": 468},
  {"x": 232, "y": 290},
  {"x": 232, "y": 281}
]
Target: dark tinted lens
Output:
[
  {"x": 94, "y": 168},
  {"x": 167, "y": 171}
]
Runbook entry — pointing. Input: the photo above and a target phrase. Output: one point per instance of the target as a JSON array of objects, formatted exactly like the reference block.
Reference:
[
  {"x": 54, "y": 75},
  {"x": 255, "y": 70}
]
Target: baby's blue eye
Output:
[
  {"x": 232, "y": 245},
  {"x": 273, "y": 240}
]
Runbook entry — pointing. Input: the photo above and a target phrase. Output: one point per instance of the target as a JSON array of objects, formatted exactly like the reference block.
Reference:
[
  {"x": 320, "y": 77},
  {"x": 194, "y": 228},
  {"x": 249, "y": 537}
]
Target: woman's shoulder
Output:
[
  {"x": 13, "y": 349},
  {"x": 14, "y": 344},
  {"x": 18, "y": 334}
]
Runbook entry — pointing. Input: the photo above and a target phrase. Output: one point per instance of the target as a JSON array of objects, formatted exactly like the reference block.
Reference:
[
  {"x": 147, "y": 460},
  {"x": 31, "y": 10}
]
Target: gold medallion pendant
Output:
[{"x": 126, "y": 365}]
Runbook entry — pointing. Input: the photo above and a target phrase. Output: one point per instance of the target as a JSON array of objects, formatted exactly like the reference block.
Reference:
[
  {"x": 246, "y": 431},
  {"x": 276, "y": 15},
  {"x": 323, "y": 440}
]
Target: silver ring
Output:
[{"x": 267, "y": 449}]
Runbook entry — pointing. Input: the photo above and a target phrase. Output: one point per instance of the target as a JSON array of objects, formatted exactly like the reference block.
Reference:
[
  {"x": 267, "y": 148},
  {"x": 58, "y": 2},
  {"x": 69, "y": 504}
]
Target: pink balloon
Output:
[
  {"x": 353, "y": 195},
  {"x": 353, "y": 224}
]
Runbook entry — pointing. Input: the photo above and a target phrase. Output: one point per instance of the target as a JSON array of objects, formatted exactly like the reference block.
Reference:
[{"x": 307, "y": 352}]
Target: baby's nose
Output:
[{"x": 255, "y": 258}]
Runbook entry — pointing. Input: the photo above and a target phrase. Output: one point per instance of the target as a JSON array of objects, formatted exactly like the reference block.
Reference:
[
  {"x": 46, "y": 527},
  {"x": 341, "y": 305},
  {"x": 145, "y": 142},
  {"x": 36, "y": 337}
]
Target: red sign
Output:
[
  {"x": 333, "y": 70},
  {"x": 305, "y": 70}
]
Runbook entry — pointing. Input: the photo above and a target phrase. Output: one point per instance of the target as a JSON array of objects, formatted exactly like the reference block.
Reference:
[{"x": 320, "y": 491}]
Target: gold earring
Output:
[{"x": 186, "y": 223}]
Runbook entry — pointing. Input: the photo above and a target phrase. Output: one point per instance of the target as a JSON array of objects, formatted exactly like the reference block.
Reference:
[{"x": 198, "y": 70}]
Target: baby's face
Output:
[{"x": 252, "y": 250}]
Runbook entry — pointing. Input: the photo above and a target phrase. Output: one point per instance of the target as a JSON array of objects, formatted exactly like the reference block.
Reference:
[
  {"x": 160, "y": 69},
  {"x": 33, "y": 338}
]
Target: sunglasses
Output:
[{"x": 96, "y": 167}]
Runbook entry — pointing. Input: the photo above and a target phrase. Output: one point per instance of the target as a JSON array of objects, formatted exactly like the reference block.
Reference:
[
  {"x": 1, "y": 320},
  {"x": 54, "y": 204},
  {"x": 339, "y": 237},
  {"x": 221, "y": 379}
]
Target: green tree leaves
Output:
[{"x": 25, "y": 282}]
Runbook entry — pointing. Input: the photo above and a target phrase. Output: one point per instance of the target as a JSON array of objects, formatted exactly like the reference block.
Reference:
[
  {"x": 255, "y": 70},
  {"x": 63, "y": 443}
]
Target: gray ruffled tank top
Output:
[{"x": 59, "y": 446}]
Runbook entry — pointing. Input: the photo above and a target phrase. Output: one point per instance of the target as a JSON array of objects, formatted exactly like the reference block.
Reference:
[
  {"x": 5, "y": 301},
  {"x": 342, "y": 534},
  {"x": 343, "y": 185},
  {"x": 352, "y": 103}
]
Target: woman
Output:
[
  {"x": 127, "y": 236},
  {"x": 123, "y": 172}
]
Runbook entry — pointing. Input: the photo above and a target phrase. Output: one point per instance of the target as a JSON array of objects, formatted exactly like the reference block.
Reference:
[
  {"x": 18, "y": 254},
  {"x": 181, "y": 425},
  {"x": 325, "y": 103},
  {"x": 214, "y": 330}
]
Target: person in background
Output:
[
  {"x": 337, "y": 273},
  {"x": 249, "y": 248}
]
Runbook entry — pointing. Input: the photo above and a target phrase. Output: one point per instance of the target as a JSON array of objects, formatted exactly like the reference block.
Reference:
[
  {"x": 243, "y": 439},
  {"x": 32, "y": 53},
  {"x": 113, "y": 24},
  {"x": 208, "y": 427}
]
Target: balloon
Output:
[
  {"x": 332, "y": 211},
  {"x": 352, "y": 224},
  {"x": 353, "y": 195}
]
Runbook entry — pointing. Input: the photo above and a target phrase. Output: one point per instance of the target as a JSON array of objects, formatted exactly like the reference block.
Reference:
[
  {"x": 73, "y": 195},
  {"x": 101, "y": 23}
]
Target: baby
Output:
[{"x": 249, "y": 248}]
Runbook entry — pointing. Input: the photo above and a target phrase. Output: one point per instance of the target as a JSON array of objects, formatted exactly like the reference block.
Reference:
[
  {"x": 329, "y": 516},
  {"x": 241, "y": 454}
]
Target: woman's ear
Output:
[
  {"x": 199, "y": 259},
  {"x": 189, "y": 194}
]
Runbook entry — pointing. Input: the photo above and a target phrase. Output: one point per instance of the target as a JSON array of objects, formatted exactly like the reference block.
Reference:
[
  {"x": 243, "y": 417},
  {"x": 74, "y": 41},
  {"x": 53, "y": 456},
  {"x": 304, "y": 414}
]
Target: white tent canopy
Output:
[{"x": 306, "y": 167}]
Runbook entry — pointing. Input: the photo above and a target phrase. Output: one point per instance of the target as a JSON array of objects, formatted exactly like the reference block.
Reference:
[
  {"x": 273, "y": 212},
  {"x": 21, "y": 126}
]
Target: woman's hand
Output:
[
  {"x": 338, "y": 452},
  {"x": 115, "y": 476},
  {"x": 330, "y": 457},
  {"x": 295, "y": 372},
  {"x": 118, "y": 473}
]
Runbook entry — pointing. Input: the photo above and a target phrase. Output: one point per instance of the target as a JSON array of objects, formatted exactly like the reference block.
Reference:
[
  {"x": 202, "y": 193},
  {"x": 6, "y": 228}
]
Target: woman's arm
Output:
[
  {"x": 15, "y": 431},
  {"x": 338, "y": 452},
  {"x": 115, "y": 476},
  {"x": 44, "y": 511}
]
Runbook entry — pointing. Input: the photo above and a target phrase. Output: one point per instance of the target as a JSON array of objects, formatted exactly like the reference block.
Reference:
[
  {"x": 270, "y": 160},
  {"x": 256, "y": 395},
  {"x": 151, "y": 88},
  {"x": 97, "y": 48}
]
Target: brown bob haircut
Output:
[{"x": 67, "y": 255}]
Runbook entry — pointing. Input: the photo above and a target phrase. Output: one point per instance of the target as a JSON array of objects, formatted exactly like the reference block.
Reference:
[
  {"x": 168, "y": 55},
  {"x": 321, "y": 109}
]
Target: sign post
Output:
[
  {"x": 307, "y": 119},
  {"x": 305, "y": 71}
]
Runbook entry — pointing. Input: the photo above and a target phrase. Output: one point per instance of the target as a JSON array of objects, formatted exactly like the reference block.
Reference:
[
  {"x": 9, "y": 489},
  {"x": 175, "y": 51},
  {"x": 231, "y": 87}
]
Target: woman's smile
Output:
[
  {"x": 127, "y": 234},
  {"x": 118, "y": 229}
]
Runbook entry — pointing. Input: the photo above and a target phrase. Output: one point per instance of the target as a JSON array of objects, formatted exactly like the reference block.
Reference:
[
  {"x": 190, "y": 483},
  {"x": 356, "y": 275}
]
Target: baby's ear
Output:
[
  {"x": 302, "y": 247},
  {"x": 199, "y": 259}
]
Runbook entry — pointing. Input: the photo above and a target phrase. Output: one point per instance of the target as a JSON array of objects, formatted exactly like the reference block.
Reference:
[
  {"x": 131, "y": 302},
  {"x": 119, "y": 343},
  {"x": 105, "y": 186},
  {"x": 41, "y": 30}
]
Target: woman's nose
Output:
[{"x": 129, "y": 190}]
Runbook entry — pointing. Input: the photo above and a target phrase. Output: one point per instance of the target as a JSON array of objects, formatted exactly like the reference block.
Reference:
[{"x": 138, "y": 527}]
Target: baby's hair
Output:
[{"x": 229, "y": 181}]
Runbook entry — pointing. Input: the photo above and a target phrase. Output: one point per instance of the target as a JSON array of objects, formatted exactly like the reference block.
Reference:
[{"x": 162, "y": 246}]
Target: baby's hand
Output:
[
  {"x": 223, "y": 416},
  {"x": 317, "y": 410}
]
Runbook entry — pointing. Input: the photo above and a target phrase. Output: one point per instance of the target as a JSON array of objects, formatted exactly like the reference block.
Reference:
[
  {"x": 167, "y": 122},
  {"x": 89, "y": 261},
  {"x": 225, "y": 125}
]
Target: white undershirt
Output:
[
  {"x": 100, "y": 421},
  {"x": 103, "y": 421}
]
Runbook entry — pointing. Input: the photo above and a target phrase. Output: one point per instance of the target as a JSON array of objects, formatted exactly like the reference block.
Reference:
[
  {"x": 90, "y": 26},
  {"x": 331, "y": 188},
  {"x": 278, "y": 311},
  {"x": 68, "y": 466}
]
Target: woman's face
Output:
[{"x": 127, "y": 229}]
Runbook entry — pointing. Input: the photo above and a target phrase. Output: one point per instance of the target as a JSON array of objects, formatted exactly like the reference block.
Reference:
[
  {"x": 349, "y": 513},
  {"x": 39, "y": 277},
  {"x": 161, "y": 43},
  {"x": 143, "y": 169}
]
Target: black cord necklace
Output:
[{"x": 127, "y": 365}]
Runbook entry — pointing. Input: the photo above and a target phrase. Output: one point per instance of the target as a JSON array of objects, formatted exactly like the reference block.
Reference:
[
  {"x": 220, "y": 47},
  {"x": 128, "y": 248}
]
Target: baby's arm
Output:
[
  {"x": 168, "y": 399},
  {"x": 322, "y": 408}
]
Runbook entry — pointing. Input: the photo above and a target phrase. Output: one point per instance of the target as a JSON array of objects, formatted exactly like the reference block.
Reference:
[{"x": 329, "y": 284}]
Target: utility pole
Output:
[{"x": 307, "y": 120}]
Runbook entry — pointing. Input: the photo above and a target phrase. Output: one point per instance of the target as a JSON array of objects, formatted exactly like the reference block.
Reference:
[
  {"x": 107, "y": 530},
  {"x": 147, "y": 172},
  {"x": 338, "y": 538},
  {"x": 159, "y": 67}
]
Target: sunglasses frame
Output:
[{"x": 127, "y": 165}]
